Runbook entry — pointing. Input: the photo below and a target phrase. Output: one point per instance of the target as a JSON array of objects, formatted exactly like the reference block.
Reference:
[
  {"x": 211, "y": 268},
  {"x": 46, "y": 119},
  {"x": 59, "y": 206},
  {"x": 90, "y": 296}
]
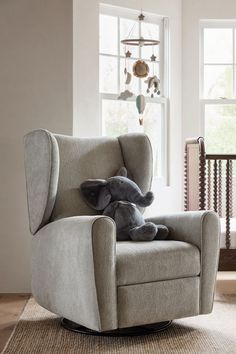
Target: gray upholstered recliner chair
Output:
[{"x": 79, "y": 271}]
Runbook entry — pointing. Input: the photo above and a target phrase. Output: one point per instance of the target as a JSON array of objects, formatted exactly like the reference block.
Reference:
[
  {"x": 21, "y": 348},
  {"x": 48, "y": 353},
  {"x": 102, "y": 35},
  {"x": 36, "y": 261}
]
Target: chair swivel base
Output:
[{"x": 120, "y": 332}]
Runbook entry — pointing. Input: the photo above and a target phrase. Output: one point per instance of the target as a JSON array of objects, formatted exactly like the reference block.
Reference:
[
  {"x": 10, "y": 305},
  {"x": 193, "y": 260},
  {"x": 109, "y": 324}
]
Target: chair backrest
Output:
[
  {"x": 56, "y": 165},
  {"x": 194, "y": 174}
]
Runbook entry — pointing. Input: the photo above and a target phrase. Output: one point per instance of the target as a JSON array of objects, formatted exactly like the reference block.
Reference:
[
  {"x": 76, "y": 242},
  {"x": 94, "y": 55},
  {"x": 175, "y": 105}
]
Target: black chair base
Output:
[{"x": 120, "y": 332}]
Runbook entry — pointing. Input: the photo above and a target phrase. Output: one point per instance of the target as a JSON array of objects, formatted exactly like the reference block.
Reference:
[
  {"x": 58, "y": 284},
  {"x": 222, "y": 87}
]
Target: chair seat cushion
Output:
[{"x": 143, "y": 262}]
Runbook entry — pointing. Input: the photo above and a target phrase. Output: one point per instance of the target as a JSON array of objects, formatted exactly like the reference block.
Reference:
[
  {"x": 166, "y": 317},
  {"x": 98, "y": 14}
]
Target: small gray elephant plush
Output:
[{"x": 118, "y": 198}]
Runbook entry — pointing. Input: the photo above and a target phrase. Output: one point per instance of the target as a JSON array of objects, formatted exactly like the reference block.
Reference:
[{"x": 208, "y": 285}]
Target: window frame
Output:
[
  {"x": 217, "y": 24},
  {"x": 163, "y": 100}
]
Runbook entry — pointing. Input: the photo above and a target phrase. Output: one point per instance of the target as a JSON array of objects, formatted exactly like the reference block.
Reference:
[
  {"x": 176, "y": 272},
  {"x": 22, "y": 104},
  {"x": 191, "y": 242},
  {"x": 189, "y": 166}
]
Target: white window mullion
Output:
[
  {"x": 113, "y": 96},
  {"x": 233, "y": 62},
  {"x": 164, "y": 52},
  {"x": 223, "y": 101},
  {"x": 202, "y": 117},
  {"x": 119, "y": 57},
  {"x": 218, "y": 64},
  {"x": 201, "y": 57},
  {"x": 164, "y": 143}
]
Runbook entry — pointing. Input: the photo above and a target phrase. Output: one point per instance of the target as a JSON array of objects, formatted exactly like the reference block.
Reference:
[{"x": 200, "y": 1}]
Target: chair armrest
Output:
[
  {"x": 73, "y": 270},
  {"x": 190, "y": 226},
  {"x": 202, "y": 229}
]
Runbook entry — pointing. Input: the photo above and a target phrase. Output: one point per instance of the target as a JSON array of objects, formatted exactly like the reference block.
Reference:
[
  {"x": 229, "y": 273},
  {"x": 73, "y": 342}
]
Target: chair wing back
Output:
[
  {"x": 42, "y": 171},
  {"x": 56, "y": 165}
]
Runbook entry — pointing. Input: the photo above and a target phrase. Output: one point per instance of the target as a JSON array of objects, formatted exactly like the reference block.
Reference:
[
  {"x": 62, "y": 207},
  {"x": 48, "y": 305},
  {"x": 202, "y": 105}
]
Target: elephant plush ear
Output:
[
  {"x": 95, "y": 193},
  {"x": 122, "y": 172}
]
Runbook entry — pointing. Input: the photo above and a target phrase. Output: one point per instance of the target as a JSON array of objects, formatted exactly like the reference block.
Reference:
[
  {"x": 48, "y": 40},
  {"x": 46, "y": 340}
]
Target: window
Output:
[
  {"x": 121, "y": 116},
  {"x": 218, "y": 86}
]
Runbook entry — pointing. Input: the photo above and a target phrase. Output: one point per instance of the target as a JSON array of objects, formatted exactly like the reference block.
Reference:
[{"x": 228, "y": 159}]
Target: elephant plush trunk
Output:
[{"x": 144, "y": 200}]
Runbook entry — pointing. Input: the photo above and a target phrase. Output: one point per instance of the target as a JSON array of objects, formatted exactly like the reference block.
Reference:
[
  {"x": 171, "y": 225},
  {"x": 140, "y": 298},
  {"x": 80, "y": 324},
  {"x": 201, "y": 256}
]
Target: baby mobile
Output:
[{"x": 140, "y": 70}]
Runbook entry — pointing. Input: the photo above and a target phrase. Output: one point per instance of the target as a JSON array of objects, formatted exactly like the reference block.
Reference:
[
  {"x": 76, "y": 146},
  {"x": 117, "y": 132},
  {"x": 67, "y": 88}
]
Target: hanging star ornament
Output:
[
  {"x": 153, "y": 57},
  {"x": 141, "y": 17},
  {"x": 128, "y": 54}
]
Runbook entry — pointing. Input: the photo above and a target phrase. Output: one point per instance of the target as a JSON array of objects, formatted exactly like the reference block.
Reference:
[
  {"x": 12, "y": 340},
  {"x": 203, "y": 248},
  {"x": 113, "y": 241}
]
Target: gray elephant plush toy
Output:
[{"x": 118, "y": 198}]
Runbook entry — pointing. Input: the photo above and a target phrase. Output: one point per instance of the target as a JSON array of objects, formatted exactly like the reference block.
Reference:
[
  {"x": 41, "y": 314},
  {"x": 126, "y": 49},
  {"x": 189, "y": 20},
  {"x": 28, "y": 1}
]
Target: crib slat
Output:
[
  {"x": 209, "y": 184},
  {"x": 228, "y": 205},
  {"x": 215, "y": 206},
  {"x": 220, "y": 189},
  {"x": 185, "y": 181},
  {"x": 231, "y": 188},
  {"x": 202, "y": 179}
]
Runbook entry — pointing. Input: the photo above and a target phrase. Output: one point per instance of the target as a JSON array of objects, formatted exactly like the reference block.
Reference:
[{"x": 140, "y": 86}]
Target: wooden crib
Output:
[{"x": 209, "y": 184}]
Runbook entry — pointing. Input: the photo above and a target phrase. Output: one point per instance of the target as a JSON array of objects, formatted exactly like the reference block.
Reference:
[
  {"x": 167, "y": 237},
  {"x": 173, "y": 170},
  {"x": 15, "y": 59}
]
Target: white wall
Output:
[
  {"x": 35, "y": 92},
  {"x": 193, "y": 12},
  {"x": 86, "y": 77}
]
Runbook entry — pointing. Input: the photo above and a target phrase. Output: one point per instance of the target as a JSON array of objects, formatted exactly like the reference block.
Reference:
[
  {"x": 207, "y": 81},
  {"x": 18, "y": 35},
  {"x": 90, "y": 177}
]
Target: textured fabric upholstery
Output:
[
  {"x": 79, "y": 271},
  {"x": 157, "y": 260},
  {"x": 42, "y": 171},
  {"x": 138, "y": 159},
  {"x": 202, "y": 229},
  {"x": 157, "y": 301},
  {"x": 73, "y": 270},
  {"x": 81, "y": 159}
]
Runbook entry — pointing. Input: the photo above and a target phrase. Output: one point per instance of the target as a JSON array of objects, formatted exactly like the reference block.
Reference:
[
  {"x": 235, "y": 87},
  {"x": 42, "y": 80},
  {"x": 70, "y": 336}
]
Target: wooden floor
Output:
[
  {"x": 11, "y": 306},
  {"x": 226, "y": 283}
]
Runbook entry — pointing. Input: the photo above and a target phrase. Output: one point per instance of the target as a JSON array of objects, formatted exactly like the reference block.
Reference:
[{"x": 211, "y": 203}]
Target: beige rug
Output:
[{"x": 39, "y": 331}]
